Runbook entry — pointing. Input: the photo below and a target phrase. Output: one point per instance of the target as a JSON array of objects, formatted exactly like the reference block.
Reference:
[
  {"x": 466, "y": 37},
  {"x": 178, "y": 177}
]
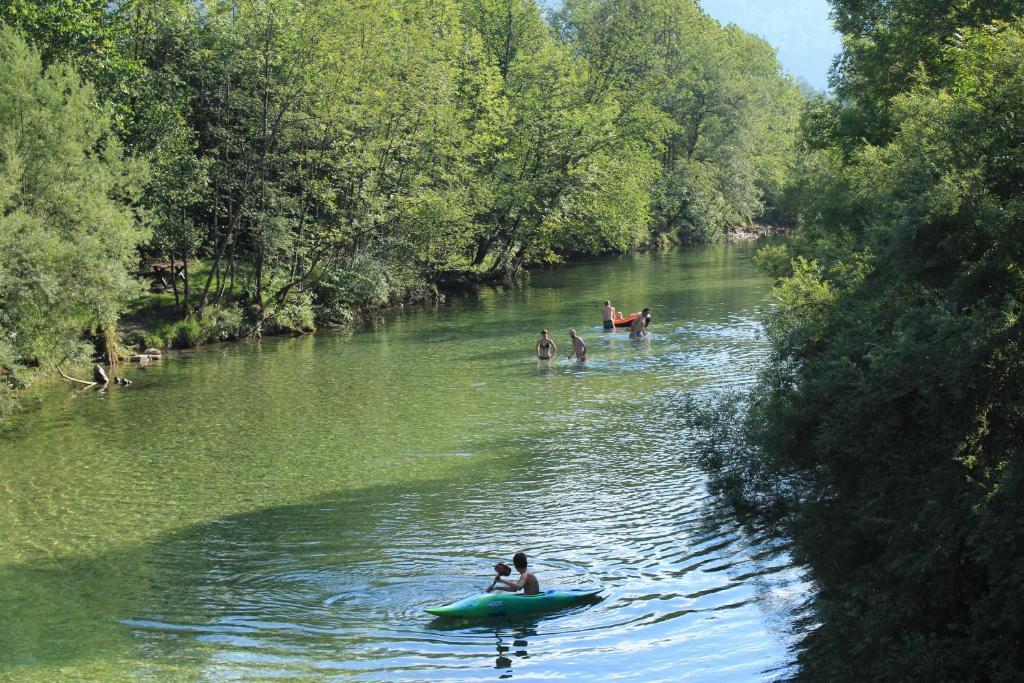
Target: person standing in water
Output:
[
  {"x": 638, "y": 328},
  {"x": 527, "y": 580},
  {"x": 546, "y": 347},
  {"x": 608, "y": 314},
  {"x": 579, "y": 347}
]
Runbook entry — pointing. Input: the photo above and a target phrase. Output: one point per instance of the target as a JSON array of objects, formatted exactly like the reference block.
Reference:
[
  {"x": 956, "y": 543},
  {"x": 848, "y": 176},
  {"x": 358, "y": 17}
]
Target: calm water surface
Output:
[{"x": 285, "y": 510}]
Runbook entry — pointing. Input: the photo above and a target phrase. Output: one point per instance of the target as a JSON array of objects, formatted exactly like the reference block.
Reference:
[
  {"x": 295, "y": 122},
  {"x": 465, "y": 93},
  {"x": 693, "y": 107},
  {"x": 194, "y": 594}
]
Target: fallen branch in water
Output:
[{"x": 72, "y": 379}]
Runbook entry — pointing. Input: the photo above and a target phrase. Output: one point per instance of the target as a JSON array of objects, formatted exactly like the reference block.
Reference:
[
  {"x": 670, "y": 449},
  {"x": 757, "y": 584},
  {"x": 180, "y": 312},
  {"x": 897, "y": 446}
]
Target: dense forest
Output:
[
  {"x": 885, "y": 431},
  {"x": 299, "y": 160}
]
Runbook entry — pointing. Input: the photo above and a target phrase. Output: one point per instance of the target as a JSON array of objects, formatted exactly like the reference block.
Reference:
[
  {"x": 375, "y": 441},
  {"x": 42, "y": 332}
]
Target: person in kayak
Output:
[
  {"x": 527, "y": 580},
  {"x": 579, "y": 347},
  {"x": 545, "y": 347},
  {"x": 639, "y": 326},
  {"x": 608, "y": 313}
]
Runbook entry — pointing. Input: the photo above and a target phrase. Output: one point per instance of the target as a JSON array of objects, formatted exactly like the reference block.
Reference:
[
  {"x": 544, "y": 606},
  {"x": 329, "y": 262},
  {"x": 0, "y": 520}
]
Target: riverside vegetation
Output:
[
  {"x": 886, "y": 429},
  {"x": 306, "y": 159},
  {"x": 320, "y": 157}
]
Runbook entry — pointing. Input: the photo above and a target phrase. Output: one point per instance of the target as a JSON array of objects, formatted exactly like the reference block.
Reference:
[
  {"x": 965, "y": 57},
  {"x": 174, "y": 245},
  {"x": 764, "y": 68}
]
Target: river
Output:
[{"x": 287, "y": 508}]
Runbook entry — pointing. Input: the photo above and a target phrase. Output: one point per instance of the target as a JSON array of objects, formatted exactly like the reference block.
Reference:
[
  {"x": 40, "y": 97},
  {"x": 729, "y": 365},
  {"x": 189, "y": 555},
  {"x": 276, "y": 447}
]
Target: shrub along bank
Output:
[{"x": 886, "y": 429}]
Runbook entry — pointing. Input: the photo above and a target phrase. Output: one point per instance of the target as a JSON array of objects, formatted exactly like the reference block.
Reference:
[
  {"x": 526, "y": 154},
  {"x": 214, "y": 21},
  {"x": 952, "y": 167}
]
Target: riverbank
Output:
[
  {"x": 156, "y": 320},
  {"x": 754, "y": 232}
]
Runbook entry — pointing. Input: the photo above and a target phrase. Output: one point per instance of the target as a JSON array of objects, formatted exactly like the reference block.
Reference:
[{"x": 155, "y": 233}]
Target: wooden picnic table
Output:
[{"x": 163, "y": 273}]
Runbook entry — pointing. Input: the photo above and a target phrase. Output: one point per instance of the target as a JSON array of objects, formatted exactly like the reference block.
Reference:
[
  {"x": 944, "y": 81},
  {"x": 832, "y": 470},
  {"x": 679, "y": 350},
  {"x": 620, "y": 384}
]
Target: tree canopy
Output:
[
  {"x": 886, "y": 427},
  {"x": 303, "y": 160},
  {"x": 67, "y": 233}
]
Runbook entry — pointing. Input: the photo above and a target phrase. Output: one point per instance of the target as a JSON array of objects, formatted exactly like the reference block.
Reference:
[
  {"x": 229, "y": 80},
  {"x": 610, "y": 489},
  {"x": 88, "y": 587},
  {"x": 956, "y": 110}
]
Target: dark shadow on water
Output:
[
  {"x": 72, "y": 610},
  {"x": 312, "y": 576},
  {"x": 323, "y": 580}
]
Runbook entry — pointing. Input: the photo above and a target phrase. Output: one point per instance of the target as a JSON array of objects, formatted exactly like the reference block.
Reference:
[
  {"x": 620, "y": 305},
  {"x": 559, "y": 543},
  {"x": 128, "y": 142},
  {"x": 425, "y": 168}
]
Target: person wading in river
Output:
[
  {"x": 545, "y": 347},
  {"x": 527, "y": 580},
  {"x": 639, "y": 326},
  {"x": 579, "y": 347},
  {"x": 608, "y": 314}
]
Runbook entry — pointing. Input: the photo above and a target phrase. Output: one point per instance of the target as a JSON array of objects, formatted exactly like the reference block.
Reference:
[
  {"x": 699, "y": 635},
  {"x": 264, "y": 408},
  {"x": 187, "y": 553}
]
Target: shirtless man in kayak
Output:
[
  {"x": 608, "y": 314},
  {"x": 527, "y": 580},
  {"x": 545, "y": 347},
  {"x": 579, "y": 347}
]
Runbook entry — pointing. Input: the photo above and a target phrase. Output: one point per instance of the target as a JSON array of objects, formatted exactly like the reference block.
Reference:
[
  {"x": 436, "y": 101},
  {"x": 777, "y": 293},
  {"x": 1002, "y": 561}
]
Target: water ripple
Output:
[{"x": 357, "y": 479}]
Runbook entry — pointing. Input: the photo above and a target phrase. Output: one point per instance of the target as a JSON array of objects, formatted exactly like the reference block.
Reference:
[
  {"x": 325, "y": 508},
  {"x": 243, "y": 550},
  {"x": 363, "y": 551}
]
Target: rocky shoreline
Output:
[{"x": 750, "y": 233}]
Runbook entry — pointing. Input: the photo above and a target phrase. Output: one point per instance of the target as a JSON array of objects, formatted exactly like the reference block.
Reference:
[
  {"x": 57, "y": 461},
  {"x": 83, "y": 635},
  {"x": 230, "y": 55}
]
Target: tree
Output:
[
  {"x": 889, "y": 47},
  {"x": 67, "y": 235},
  {"x": 569, "y": 178},
  {"x": 887, "y": 425},
  {"x": 711, "y": 102}
]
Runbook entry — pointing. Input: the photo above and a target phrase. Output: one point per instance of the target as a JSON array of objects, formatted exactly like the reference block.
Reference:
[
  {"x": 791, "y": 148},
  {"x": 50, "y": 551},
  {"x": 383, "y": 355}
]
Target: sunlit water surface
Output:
[{"x": 285, "y": 510}]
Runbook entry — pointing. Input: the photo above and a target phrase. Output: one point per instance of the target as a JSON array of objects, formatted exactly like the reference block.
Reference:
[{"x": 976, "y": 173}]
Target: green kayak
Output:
[{"x": 498, "y": 605}]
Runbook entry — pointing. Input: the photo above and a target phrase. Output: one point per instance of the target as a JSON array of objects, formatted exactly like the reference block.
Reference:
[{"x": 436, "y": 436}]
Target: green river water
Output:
[{"x": 285, "y": 509}]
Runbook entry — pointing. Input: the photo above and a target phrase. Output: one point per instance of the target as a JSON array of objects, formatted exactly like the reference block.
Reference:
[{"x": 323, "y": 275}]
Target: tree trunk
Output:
[
  {"x": 174, "y": 283},
  {"x": 72, "y": 379},
  {"x": 258, "y": 276},
  {"x": 483, "y": 247},
  {"x": 214, "y": 277},
  {"x": 184, "y": 270},
  {"x": 110, "y": 342}
]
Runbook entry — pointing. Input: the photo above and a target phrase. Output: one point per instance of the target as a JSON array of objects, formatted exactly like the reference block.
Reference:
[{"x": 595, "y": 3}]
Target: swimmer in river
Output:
[
  {"x": 579, "y": 347},
  {"x": 527, "y": 580},
  {"x": 545, "y": 346},
  {"x": 608, "y": 314}
]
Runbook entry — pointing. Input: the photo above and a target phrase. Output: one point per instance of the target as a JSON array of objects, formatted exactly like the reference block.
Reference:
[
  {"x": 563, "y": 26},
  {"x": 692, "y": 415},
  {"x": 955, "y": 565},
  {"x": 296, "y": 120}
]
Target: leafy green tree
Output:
[
  {"x": 710, "y": 101},
  {"x": 891, "y": 46},
  {"x": 80, "y": 32},
  {"x": 887, "y": 424},
  {"x": 175, "y": 193},
  {"x": 569, "y": 179},
  {"x": 332, "y": 137},
  {"x": 67, "y": 235}
]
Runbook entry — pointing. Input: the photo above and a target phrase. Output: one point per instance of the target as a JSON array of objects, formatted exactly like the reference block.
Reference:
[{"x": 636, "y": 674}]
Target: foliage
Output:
[
  {"x": 886, "y": 425},
  {"x": 304, "y": 160},
  {"x": 217, "y": 324},
  {"x": 891, "y": 47},
  {"x": 67, "y": 238},
  {"x": 774, "y": 259},
  {"x": 565, "y": 181},
  {"x": 710, "y": 101}
]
